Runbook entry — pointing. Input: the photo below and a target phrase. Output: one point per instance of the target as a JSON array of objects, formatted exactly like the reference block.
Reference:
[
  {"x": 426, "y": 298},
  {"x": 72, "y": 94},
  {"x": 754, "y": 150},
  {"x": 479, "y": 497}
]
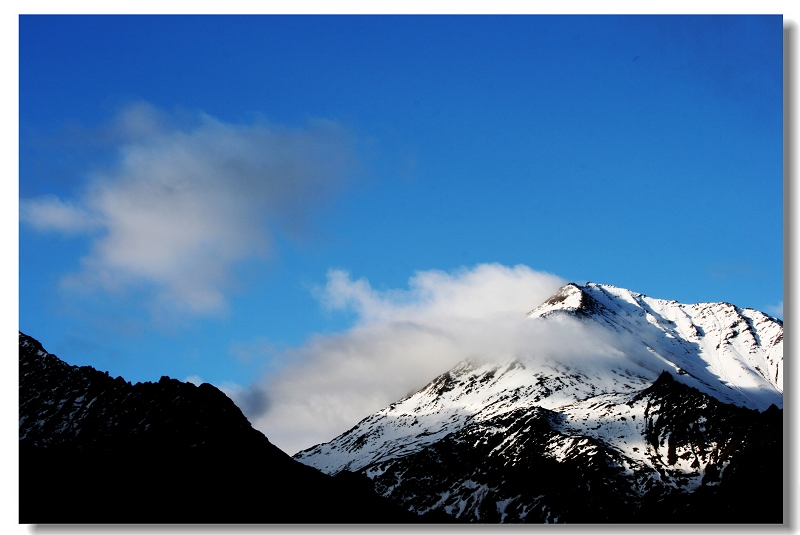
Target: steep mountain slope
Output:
[
  {"x": 734, "y": 354},
  {"x": 94, "y": 449},
  {"x": 656, "y": 420}
]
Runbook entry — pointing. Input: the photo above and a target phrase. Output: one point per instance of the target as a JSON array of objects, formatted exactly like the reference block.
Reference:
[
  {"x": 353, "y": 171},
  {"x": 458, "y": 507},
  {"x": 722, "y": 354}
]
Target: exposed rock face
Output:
[
  {"x": 94, "y": 449},
  {"x": 681, "y": 426}
]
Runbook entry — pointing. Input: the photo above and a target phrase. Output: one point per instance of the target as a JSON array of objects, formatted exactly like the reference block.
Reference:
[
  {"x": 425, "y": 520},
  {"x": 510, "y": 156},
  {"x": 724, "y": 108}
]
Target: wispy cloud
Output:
[
  {"x": 776, "y": 310},
  {"x": 51, "y": 213},
  {"x": 187, "y": 200},
  {"x": 402, "y": 338}
]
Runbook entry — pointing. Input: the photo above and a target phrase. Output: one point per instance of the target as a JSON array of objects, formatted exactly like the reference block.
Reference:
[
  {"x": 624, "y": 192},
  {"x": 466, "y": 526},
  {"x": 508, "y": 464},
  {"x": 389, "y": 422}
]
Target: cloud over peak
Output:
[
  {"x": 400, "y": 340},
  {"x": 184, "y": 203}
]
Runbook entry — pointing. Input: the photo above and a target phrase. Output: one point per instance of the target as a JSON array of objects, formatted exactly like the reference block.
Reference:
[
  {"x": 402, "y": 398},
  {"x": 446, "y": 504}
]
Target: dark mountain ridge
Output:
[{"x": 95, "y": 449}]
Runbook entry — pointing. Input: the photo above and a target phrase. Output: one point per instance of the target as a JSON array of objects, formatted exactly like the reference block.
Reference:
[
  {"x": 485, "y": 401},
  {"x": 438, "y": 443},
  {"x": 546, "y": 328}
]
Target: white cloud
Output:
[
  {"x": 51, "y": 213},
  {"x": 401, "y": 340},
  {"x": 776, "y": 310},
  {"x": 184, "y": 204}
]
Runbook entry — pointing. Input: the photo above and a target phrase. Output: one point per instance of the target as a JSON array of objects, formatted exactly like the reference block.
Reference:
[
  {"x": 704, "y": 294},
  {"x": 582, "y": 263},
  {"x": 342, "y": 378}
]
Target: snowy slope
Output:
[
  {"x": 731, "y": 353},
  {"x": 583, "y": 404}
]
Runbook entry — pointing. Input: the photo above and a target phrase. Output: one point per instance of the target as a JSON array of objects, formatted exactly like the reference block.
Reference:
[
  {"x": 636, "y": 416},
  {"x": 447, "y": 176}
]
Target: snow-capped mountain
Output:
[
  {"x": 661, "y": 413},
  {"x": 734, "y": 354}
]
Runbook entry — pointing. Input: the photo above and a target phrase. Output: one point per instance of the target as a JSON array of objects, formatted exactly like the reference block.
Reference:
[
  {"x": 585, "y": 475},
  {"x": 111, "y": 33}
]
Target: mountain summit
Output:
[
  {"x": 665, "y": 409},
  {"x": 731, "y": 353}
]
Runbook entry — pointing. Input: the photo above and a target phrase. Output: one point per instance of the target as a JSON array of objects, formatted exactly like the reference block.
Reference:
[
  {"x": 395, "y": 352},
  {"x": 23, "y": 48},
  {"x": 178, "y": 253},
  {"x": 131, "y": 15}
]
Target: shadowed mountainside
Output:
[{"x": 94, "y": 449}]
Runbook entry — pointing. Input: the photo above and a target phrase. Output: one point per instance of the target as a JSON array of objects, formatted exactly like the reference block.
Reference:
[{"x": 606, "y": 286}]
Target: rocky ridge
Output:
[{"x": 96, "y": 449}]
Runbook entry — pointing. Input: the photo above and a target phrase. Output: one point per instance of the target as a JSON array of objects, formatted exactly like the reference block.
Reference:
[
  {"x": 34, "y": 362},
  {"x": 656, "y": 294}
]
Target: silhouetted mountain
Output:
[{"x": 95, "y": 449}]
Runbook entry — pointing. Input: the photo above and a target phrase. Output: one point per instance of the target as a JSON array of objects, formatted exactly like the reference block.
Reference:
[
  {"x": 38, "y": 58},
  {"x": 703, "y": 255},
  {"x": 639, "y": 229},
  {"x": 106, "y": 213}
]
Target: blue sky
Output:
[{"x": 210, "y": 197}]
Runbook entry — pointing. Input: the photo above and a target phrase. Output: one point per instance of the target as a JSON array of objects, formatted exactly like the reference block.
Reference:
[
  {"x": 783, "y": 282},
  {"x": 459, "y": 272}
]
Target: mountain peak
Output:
[
  {"x": 661, "y": 425},
  {"x": 732, "y": 353},
  {"x": 570, "y": 299},
  {"x": 657, "y": 405}
]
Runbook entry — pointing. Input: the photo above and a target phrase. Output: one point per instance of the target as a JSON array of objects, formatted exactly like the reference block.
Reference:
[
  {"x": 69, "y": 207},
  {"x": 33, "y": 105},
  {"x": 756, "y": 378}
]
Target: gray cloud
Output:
[
  {"x": 185, "y": 202},
  {"x": 401, "y": 340}
]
